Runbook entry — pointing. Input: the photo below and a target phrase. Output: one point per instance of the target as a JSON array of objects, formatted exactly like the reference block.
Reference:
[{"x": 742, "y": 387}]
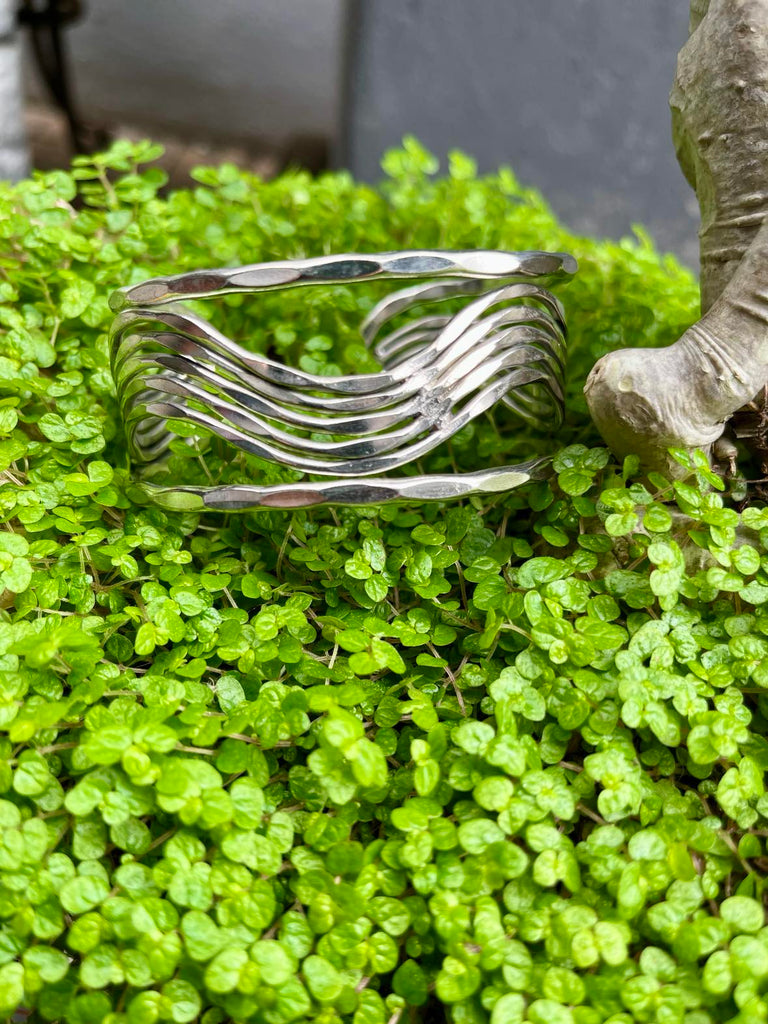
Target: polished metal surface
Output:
[{"x": 439, "y": 372}]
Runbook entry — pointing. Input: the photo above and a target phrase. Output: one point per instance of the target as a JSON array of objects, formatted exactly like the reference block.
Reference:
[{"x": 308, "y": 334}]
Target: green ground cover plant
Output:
[{"x": 476, "y": 763}]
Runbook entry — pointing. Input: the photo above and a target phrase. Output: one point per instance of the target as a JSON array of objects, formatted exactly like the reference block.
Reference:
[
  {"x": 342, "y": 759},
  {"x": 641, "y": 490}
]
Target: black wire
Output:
[{"x": 44, "y": 19}]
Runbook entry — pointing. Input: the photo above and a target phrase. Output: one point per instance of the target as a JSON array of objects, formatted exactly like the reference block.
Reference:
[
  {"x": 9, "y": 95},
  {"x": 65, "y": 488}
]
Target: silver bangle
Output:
[{"x": 438, "y": 373}]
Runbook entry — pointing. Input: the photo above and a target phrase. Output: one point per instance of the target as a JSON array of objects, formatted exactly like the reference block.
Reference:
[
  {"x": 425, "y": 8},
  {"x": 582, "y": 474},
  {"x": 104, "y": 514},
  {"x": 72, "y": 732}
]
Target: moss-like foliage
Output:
[{"x": 472, "y": 763}]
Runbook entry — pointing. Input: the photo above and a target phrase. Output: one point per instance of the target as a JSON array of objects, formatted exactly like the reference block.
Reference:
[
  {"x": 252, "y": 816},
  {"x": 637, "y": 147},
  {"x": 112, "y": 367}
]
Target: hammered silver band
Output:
[{"x": 439, "y": 372}]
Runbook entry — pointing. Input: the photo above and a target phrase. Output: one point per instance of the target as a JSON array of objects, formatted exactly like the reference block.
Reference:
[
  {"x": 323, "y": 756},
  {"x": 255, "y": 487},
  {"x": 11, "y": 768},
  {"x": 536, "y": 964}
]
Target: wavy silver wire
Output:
[
  {"x": 438, "y": 373},
  {"x": 133, "y": 370},
  {"x": 133, "y": 364},
  {"x": 460, "y": 384},
  {"x": 195, "y": 328},
  {"x": 175, "y": 410},
  {"x": 367, "y": 455},
  {"x": 483, "y": 360}
]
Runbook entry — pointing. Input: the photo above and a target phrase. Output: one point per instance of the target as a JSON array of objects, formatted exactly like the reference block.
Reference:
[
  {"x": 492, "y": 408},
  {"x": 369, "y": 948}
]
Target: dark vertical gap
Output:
[
  {"x": 44, "y": 21},
  {"x": 342, "y": 145}
]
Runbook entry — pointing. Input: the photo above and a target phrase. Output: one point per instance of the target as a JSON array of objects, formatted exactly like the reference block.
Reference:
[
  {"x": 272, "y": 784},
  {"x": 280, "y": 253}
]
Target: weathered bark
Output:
[
  {"x": 720, "y": 129},
  {"x": 646, "y": 401}
]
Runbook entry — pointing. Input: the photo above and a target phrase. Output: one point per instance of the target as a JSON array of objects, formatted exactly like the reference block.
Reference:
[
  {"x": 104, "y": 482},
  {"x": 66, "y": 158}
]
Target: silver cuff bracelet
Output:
[{"x": 438, "y": 373}]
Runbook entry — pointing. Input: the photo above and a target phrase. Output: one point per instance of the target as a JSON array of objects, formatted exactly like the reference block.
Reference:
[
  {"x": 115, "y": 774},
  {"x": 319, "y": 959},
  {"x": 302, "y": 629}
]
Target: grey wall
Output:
[
  {"x": 571, "y": 93},
  {"x": 233, "y": 69},
  {"x": 13, "y": 150}
]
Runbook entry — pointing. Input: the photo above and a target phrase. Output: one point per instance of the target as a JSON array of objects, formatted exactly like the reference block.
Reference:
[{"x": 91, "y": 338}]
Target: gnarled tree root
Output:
[{"x": 647, "y": 400}]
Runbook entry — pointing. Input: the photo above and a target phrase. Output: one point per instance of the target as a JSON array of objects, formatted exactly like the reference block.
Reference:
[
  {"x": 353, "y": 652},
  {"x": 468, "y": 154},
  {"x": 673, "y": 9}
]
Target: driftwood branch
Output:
[{"x": 646, "y": 401}]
